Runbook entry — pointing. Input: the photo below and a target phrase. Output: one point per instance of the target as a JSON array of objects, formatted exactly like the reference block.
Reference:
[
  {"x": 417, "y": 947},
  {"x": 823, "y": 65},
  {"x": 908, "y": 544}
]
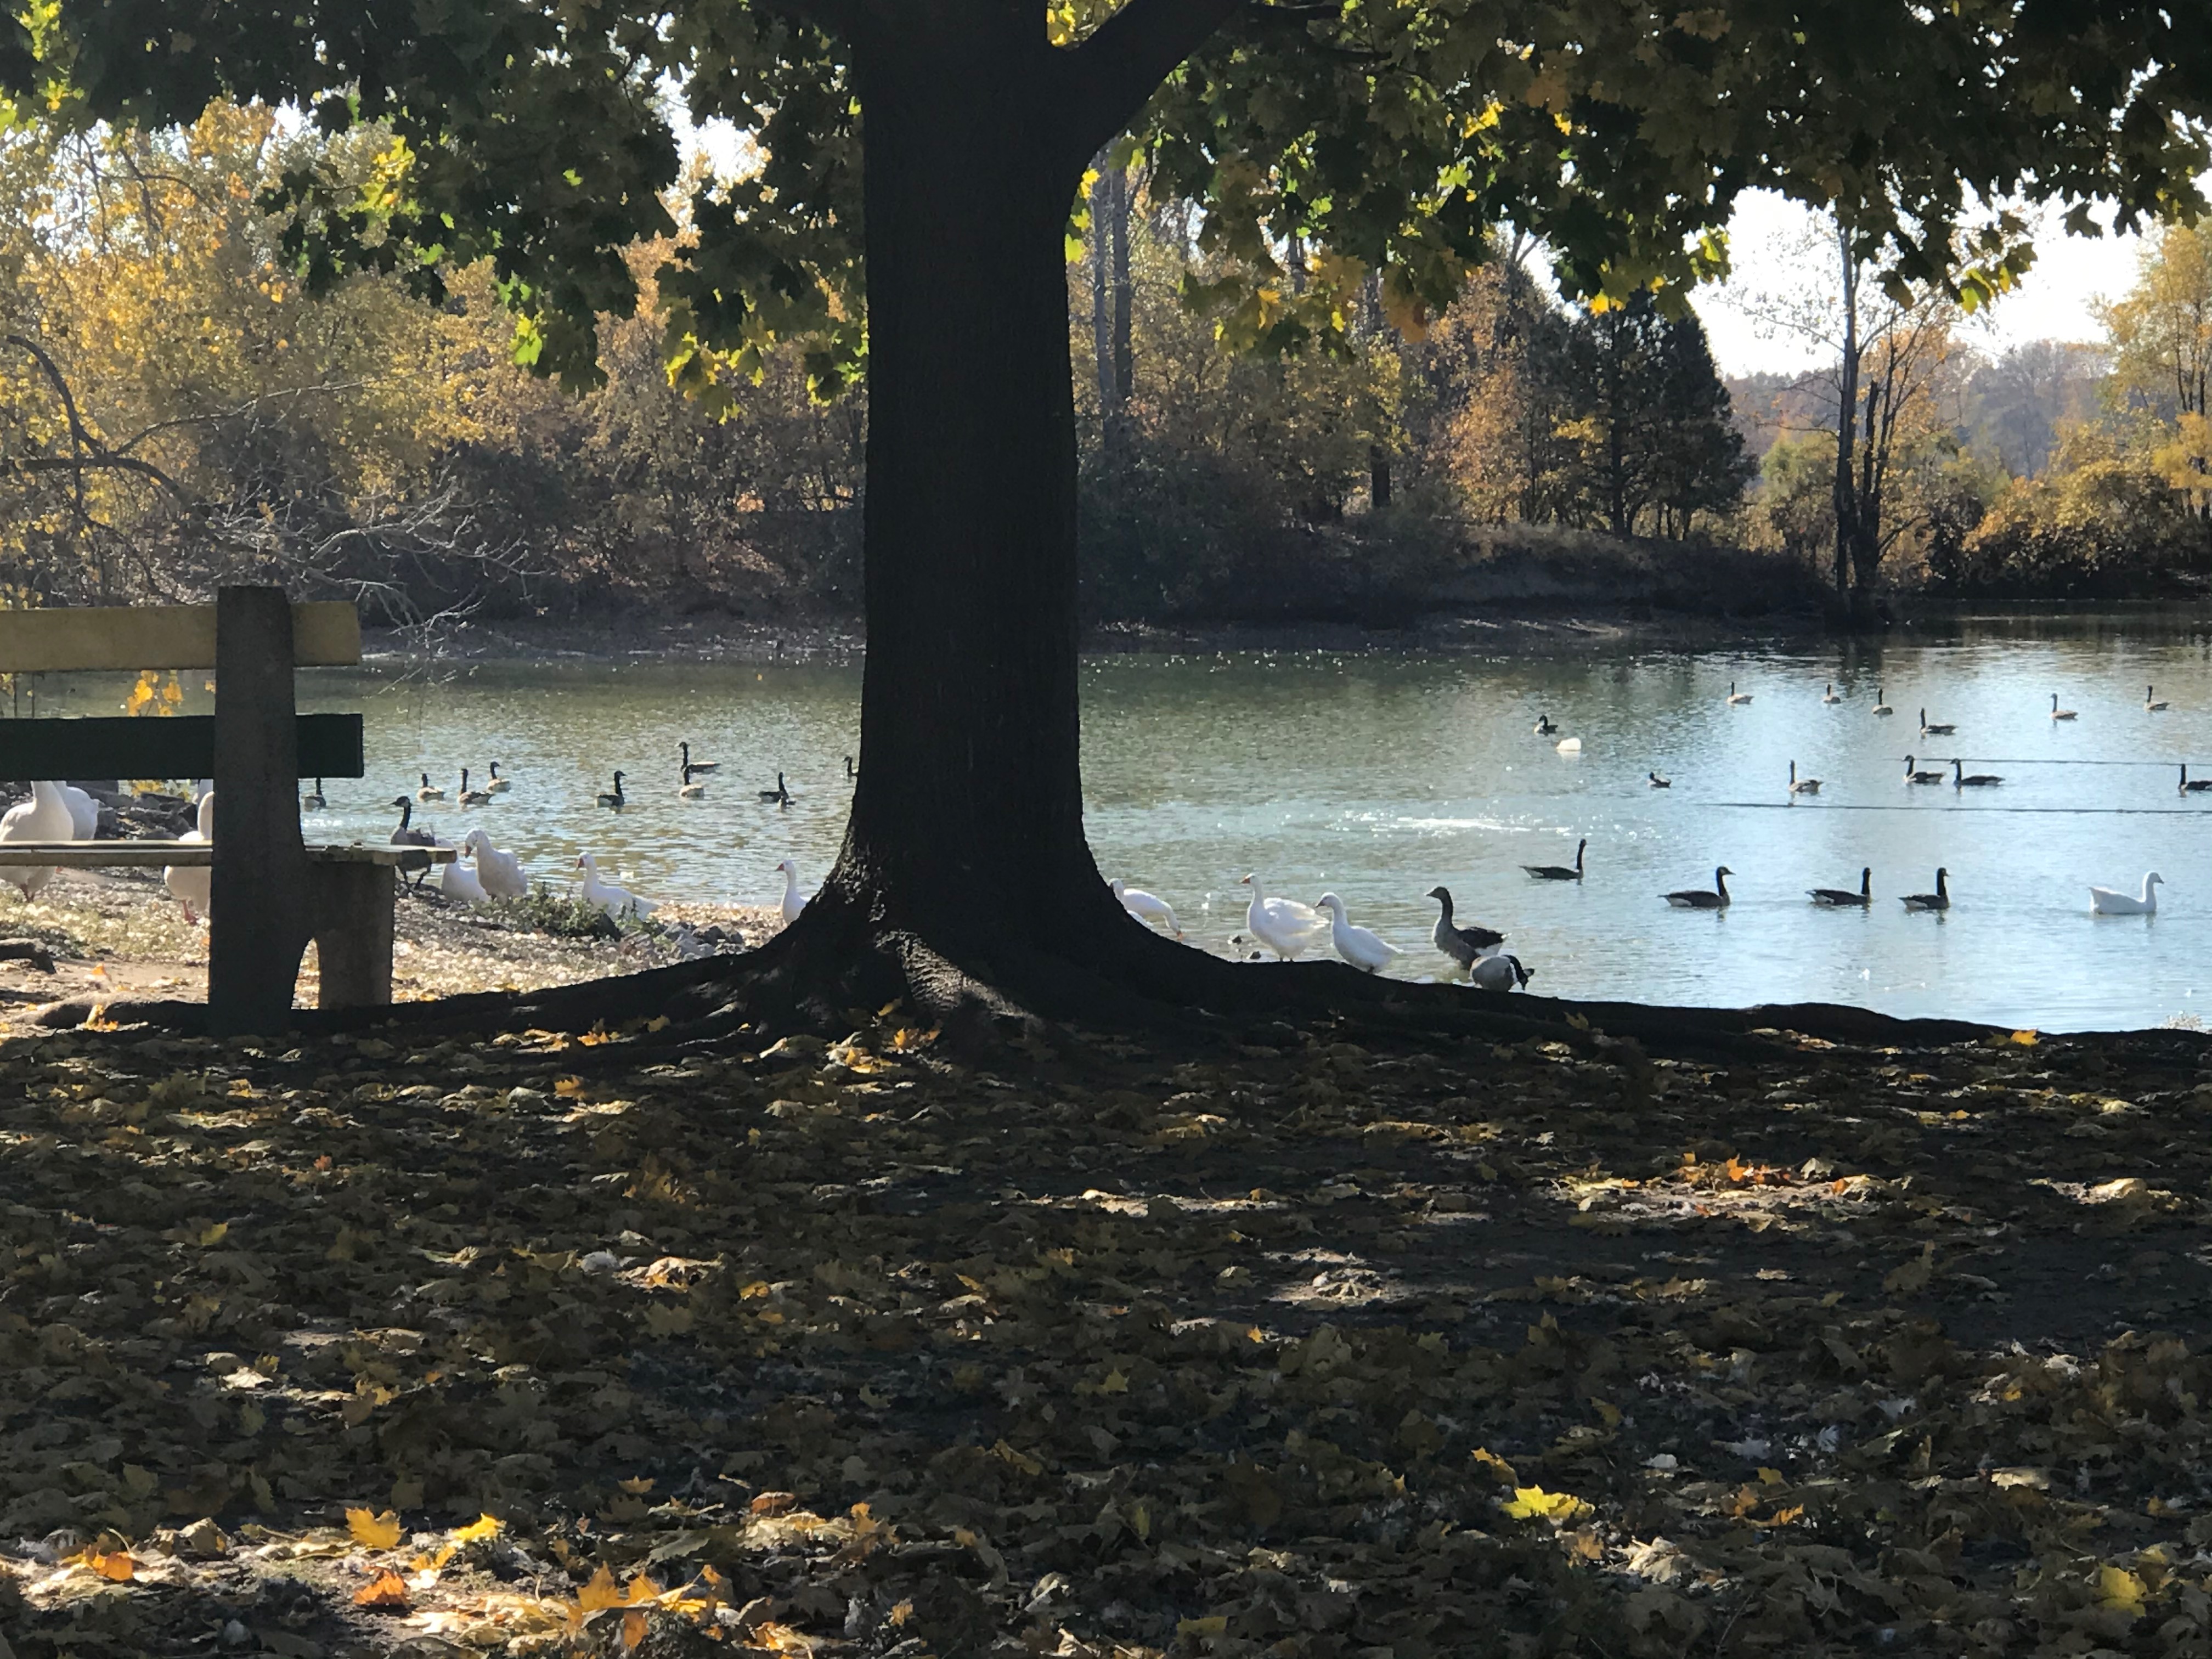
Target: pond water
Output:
[{"x": 1380, "y": 776}]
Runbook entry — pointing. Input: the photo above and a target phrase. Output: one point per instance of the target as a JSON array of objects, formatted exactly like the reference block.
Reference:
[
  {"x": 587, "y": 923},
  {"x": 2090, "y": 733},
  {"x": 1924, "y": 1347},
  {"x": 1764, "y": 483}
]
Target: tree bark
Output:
[{"x": 1847, "y": 411}]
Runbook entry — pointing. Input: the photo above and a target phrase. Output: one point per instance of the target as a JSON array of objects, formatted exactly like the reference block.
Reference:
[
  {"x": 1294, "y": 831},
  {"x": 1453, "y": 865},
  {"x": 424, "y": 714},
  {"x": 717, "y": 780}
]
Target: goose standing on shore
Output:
[
  {"x": 615, "y": 900},
  {"x": 1500, "y": 972},
  {"x": 2058, "y": 714},
  {"x": 614, "y": 796},
  {"x": 1837, "y": 899},
  {"x": 192, "y": 885},
  {"x": 502, "y": 873},
  {"x": 1938, "y": 900},
  {"x": 1696, "y": 898},
  {"x": 794, "y": 900},
  {"x": 1881, "y": 701},
  {"x": 462, "y": 885},
  {"x": 473, "y": 797},
  {"x": 2193, "y": 786},
  {"x": 1147, "y": 908},
  {"x": 1368, "y": 952},
  {"x": 1465, "y": 945},
  {"x": 696, "y": 766},
  {"x": 1911, "y": 776},
  {"x": 1737, "y": 699},
  {"x": 1941, "y": 729},
  {"x": 2152, "y": 703},
  {"x": 1284, "y": 926},
  {"x": 498, "y": 786},
  {"x": 429, "y": 791},
  {"x": 1829, "y": 695},
  {"x": 1560, "y": 872},
  {"x": 1803, "y": 786},
  {"x": 2108, "y": 901},
  {"x": 408, "y": 836},
  {"x": 1962, "y": 779}
]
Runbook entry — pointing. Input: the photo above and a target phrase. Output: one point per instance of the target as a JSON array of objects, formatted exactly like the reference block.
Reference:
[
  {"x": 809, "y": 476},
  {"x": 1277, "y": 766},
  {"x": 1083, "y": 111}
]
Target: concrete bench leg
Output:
[{"x": 353, "y": 935}]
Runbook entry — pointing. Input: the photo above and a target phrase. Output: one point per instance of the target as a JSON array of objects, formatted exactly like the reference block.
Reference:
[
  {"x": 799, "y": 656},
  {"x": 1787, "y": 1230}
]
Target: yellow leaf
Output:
[
  {"x": 633, "y": 1631},
  {"x": 600, "y": 1592},
  {"x": 1608, "y": 1414},
  {"x": 658, "y": 1023},
  {"x": 2120, "y": 1591},
  {"x": 2025, "y": 1039},
  {"x": 371, "y": 1531},
  {"x": 1783, "y": 1517},
  {"x": 1532, "y": 1502},
  {"x": 387, "y": 1589},
  {"x": 1020, "y": 1460},
  {"x": 116, "y": 1566},
  {"x": 1212, "y": 1624},
  {"x": 1502, "y": 1471},
  {"x": 483, "y": 1526},
  {"x": 1770, "y": 1477},
  {"x": 636, "y": 1486},
  {"x": 642, "y": 1590}
]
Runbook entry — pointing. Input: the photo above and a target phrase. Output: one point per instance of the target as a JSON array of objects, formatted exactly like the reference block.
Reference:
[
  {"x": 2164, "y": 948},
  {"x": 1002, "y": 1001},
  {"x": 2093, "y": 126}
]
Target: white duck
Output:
[
  {"x": 84, "y": 812},
  {"x": 615, "y": 901},
  {"x": 1147, "y": 908},
  {"x": 193, "y": 885},
  {"x": 44, "y": 817},
  {"x": 1368, "y": 952},
  {"x": 794, "y": 900},
  {"x": 2105, "y": 901},
  {"x": 502, "y": 873},
  {"x": 1284, "y": 926},
  {"x": 461, "y": 884}
]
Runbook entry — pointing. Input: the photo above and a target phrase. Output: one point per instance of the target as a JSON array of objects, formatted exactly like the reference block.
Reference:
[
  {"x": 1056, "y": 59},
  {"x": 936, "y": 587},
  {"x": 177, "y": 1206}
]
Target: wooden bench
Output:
[{"x": 270, "y": 893}]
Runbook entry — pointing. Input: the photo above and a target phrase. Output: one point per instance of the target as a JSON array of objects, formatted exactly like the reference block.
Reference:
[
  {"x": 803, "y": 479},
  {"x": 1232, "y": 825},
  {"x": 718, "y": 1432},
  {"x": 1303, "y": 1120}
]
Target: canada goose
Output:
[
  {"x": 1500, "y": 972},
  {"x": 407, "y": 836},
  {"x": 697, "y": 766},
  {"x": 852, "y": 772},
  {"x": 1737, "y": 699},
  {"x": 2058, "y": 714},
  {"x": 1803, "y": 786},
  {"x": 1962, "y": 779},
  {"x": 614, "y": 796},
  {"x": 1938, "y": 900},
  {"x": 2193, "y": 786},
  {"x": 1911, "y": 776},
  {"x": 314, "y": 803},
  {"x": 1464, "y": 945},
  {"x": 2105, "y": 901},
  {"x": 1882, "y": 701},
  {"x": 781, "y": 794},
  {"x": 498, "y": 786},
  {"x": 1658, "y": 781},
  {"x": 688, "y": 790},
  {"x": 473, "y": 797},
  {"x": 2153, "y": 704},
  {"x": 429, "y": 791},
  {"x": 1544, "y": 728},
  {"x": 1837, "y": 899},
  {"x": 1695, "y": 899},
  {"x": 1829, "y": 695},
  {"x": 1560, "y": 872},
  {"x": 1941, "y": 729}
]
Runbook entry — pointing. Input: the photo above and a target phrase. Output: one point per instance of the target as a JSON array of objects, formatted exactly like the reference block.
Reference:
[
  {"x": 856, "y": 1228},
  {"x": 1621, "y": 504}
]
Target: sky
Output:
[{"x": 2057, "y": 300}]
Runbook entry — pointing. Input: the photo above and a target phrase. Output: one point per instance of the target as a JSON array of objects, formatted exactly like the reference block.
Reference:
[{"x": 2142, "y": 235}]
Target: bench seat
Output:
[{"x": 97, "y": 854}]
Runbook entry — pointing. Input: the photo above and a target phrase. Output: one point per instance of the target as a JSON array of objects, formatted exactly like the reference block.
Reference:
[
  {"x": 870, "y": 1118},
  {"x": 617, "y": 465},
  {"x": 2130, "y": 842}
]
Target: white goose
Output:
[
  {"x": 1368, "y": 952},
  {"x": 461, "y": 884},
  {"x": 794, "y": 900},
  {"x": 2104, "y": 902},
  {"x": 1284, "y": 926},
  {"x": 502, "y": 873},
  {"x": 193, "y": 885},
  {"x": 615, "y": 901},
  {"x": 44, "y": 817},
  {"x": 84, "y": 812},
  {"x": 1147, "y": 908},
  {"x": 1568, "y": 746}
]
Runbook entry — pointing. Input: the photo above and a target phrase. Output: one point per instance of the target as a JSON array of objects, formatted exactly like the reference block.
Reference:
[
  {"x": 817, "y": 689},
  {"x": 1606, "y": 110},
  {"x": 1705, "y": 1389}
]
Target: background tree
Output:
[{"x": 1391, "y": 137}]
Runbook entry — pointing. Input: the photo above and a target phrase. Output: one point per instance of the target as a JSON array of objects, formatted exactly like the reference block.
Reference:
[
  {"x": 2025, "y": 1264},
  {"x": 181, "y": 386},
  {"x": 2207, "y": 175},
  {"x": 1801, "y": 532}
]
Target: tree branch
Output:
[
  {"x": 1111, "y": 73},
  {"x": 838, "y": 18}
]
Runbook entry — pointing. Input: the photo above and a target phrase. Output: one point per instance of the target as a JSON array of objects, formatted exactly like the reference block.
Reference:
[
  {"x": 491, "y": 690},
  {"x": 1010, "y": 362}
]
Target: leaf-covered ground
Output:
[{"x": 543, "y": 1345}]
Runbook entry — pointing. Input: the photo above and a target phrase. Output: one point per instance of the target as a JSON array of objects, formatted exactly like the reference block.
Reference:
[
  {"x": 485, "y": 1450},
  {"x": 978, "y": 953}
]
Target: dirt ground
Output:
[{"x": 617, "y": 1344}]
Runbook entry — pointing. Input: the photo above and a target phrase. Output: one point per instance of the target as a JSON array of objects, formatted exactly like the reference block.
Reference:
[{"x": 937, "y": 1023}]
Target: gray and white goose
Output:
[{"x": 1464, "y": 945}]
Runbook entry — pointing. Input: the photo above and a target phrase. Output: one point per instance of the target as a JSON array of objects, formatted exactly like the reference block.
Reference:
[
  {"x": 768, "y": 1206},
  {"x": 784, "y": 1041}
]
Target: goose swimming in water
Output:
[
  {"x": 686, "y": 789},
  {"x": 696, "y": 766},
  {"x": 473, "y": 797},
  {"x": 2058, "y": 714},
  {"x": 614, "y": 796},
  {"x": 1911, "y": 776},
  {"x": 1803, "y": 786},
  {"x": 2193, "y": 786},
  {"x": 1368, "y": 952},
  {"x": 1465, "y": 945},
  {"x": 1695, "y": 899},
  {"x": 1147, "y": 908},
  {"x": 314, "y": 803},
  {"x": 1544, "y": 728},
  {"x": 1938, "y": 900},
  {"x": 1962, "y": 779},
  {"x": 1941, "y": 729},
  {"x": 1560, "y": 872},
  {"x": 1736, "y": 699},
  {"x": 429, "y": 791},
  {"x": 2151, "y": 707},
  {"x": 2107, "y": 901},
  {"x": 1829, "y": 695},
  {"x": 852, "y": 772},
  {"x": 1882, "y": 701},
  {"x": 1837, "y": 899},
  {"x": 498, "y": 786},
  {"x": 1500, "y": 972},
  {"x": 781, "y": 794},
  {"x": 1657, "y": 781}
]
